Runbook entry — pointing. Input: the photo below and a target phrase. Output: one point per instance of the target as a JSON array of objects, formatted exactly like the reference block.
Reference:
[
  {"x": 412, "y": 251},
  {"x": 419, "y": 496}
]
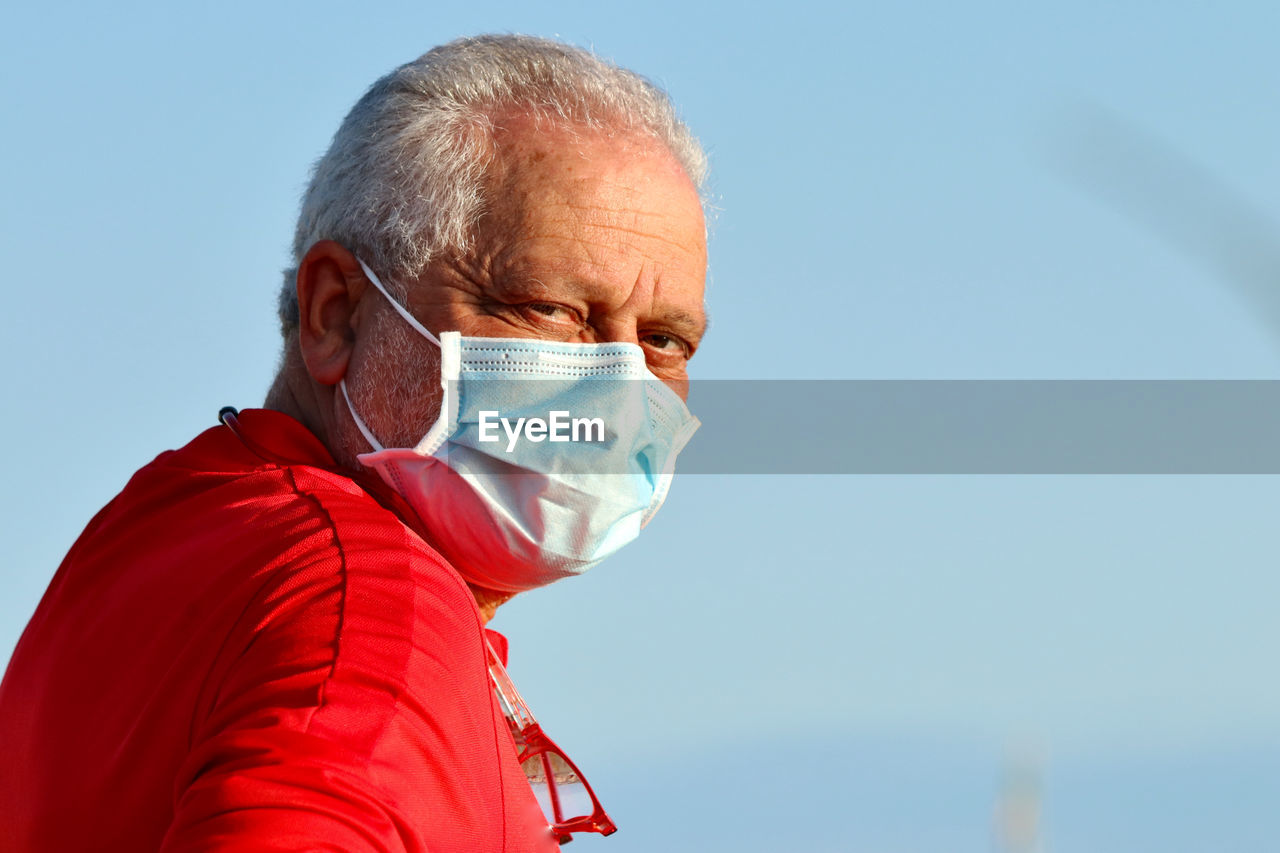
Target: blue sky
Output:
[{"x": 905, "y": 191}]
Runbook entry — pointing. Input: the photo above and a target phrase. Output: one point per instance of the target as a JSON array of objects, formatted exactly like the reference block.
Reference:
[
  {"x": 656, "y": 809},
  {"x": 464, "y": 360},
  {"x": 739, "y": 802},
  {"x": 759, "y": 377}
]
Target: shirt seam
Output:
[{"x": 344, "y": 576}]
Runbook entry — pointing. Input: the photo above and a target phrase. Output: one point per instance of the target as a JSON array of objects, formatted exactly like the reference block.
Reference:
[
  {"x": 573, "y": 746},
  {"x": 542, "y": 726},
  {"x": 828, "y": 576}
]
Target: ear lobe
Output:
[{"x": 330, "y": 284}]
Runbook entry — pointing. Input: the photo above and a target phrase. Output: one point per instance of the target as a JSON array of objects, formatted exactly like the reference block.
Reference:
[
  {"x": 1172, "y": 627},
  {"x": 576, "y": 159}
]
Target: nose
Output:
[{"x": 617, "y": 329}]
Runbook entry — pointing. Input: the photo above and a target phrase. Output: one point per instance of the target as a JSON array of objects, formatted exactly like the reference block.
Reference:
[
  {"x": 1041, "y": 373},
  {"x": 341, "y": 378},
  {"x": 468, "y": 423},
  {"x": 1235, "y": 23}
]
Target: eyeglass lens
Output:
[{"x": 556, "y": 784}]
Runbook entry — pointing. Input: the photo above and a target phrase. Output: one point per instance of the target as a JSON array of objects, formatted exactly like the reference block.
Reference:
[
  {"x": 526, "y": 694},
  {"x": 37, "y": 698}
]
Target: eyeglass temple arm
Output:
[
  {"x": 512, "y": 703},
  {"x": 553, "y": 789}
]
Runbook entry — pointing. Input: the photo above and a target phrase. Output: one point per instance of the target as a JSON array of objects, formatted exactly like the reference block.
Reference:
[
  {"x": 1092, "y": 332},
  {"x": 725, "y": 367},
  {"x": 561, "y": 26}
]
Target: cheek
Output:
[
  {"x": 679, "y": 384},
  {"x": 395, "y": 384}
]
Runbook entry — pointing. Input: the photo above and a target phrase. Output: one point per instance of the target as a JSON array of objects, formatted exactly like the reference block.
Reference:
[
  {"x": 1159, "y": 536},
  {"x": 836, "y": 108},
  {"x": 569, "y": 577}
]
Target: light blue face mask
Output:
[{"x": 545, "y": 459}]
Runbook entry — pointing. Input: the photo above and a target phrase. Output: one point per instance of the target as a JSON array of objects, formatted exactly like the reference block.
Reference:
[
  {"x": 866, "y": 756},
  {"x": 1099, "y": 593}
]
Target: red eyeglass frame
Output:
[{"x": 532, "y": 742}]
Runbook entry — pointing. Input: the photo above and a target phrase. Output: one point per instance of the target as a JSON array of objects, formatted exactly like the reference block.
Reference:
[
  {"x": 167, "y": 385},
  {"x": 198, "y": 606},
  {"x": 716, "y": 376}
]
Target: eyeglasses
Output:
[{"x": 566, "y": 799}]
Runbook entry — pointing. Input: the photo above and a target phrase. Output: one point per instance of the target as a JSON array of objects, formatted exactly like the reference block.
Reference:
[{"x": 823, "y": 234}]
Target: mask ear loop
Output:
[
  {"x": 408, "y": 318},
  {"x": 364, "y": 430},
  {"x": 450, "y": 363},
  {"x": 400, "y": 309}
]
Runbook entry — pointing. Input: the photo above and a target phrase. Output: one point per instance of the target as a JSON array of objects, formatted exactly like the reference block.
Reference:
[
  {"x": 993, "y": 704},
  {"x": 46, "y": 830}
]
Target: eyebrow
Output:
[{"x": 693, "y": 325}]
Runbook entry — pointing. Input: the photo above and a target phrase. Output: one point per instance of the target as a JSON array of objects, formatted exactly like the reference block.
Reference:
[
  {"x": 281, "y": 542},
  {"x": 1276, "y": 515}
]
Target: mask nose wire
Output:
[{"x": 400, "y": 309}]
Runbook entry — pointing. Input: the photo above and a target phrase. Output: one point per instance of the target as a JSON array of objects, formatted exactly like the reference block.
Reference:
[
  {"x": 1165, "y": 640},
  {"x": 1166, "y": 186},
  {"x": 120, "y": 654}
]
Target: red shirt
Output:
[{"x": 244, "y": 654}]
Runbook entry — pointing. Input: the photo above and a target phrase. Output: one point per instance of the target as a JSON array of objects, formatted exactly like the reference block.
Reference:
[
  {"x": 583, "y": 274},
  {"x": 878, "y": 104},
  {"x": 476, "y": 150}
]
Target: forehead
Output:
[{"x": 613, "y": 214}]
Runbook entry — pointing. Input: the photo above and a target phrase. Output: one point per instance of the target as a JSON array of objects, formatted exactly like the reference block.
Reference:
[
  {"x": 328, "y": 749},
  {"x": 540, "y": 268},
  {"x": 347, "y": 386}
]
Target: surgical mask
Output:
[{"x": 546, "y": 457}]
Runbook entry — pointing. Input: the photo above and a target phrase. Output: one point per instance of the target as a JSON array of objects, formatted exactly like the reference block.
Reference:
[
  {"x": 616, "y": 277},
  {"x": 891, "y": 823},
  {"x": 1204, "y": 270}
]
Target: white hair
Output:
[{"x": 403, "y": 179}]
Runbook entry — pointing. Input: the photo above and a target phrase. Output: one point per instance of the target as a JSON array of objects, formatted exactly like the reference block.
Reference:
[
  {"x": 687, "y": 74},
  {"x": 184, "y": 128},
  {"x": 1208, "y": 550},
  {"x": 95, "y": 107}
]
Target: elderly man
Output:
[{"x": 274, "y": 637}]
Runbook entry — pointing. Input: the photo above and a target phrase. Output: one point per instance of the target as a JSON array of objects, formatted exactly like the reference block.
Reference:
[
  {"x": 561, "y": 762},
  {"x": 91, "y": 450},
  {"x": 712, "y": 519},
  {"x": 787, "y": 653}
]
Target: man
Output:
[{"x": 274, "y": 637}]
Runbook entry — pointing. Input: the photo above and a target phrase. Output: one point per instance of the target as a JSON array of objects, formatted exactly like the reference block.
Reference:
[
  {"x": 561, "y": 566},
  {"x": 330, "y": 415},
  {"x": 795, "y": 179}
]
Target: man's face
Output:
[{"x": 585, "y": 239}]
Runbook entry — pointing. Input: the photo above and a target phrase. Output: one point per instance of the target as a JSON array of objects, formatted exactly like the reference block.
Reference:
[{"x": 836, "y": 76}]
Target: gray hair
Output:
[{"x": 403, "y": 179}]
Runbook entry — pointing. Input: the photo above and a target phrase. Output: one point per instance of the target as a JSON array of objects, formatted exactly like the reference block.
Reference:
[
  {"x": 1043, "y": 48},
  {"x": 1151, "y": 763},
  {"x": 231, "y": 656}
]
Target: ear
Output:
[{"x": 330, "y": 284}]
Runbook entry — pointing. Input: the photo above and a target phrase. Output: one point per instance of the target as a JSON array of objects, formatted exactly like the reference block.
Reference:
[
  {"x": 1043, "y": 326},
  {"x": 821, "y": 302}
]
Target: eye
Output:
[
  {"x": 666, "y": 345},
  {"x": 550, "y": 311}
]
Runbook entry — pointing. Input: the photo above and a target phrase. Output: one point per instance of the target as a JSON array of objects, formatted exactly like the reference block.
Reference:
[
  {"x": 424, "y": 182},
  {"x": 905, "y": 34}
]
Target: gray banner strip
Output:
[{"x": 984, "y": 427}]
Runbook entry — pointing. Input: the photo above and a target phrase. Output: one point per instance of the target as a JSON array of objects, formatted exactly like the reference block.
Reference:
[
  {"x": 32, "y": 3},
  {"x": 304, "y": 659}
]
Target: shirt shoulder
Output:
[
  {"x": 270, "y": 654},
  {"x": 358, "y": 660}
]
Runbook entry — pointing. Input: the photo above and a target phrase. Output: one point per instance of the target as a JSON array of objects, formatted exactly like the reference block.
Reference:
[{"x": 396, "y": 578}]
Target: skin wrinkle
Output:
[
  {"x": 543, "y": 227},
  {"x": 649, "y": 278},
  {"x": 601, "y": 242}
]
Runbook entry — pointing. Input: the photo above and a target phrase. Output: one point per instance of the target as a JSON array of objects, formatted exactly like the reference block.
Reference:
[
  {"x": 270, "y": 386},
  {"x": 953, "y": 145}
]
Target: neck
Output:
[
  {"x": 284, "y": 397},
  {"x": 489, "y": 600},
  {"x": 294, "y": 393}
]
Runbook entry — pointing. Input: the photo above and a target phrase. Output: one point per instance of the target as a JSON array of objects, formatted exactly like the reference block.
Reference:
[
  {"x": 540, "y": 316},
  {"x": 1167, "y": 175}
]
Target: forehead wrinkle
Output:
[
  {"x": 612, "y": 221},
  {"x": 568, "y": 211},
  {"x": 602, "y": 197},
  {"x": 662, "y": 310},
  {"x": 614, "y": 230},
  {"x": 582, "y": 274},
  {"x": 607, "y": 206},
  {"x": 603, "y": 242}
]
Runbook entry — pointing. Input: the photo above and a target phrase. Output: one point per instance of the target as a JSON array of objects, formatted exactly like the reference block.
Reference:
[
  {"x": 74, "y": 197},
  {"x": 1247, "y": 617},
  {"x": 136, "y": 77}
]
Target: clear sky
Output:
[{"x": 904, "y": 191}]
